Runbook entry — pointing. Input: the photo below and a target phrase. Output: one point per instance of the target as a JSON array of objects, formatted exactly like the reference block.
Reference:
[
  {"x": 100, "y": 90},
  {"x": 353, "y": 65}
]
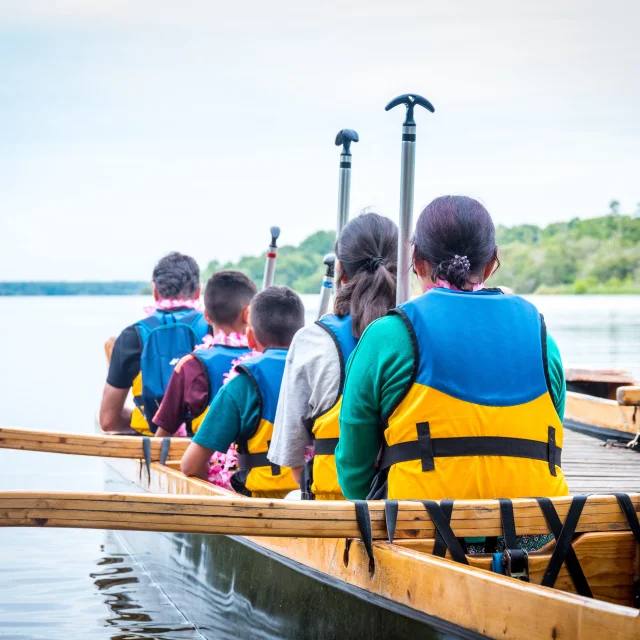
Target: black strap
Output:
[
  {"x": 571, "y": 560},
  {"x": 551, "y": 450},
  {"x": 444, "y": 529},
  {"x": 440, "y": 548},
  {"x": 364, "y": 524},
  {"x": 325, "y": 446},
  {"x": 630, "y": 513},
  {"x": 563, "y": 549},
  {"x": 427, "y": 448},
  {"x": 253, "y": 460},
  {"x": 508, "y": 524},
  {"x": 146, "y": 452},
  {"x": 164, "y": 450},
  {"x": 391, "y": 517}
]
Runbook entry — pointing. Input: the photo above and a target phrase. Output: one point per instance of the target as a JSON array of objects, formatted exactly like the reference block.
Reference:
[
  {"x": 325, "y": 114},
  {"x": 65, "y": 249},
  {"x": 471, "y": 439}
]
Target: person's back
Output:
[
  {"x": 243, "y": 411},
  {"x": 198, "y": 377},
  {"x": 311, "y": 395},
  {"x": 145, "y": 353},
  {"x": 466, "y": 384}
]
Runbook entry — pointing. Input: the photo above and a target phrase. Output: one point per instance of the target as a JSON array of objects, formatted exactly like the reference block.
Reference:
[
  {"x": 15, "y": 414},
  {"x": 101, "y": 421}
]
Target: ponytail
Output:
[{"x": 368, "y": 251}]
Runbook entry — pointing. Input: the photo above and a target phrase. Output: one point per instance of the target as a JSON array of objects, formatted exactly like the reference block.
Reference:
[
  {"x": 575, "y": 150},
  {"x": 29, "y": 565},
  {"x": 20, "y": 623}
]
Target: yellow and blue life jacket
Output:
[
  {"x": 217, "y": 360},
  {"x": 320, "y": 476},
  {"x": 165, "y": 337},
  {"x": 256, "y": 476},
  {"x": 477, "y": 419}
]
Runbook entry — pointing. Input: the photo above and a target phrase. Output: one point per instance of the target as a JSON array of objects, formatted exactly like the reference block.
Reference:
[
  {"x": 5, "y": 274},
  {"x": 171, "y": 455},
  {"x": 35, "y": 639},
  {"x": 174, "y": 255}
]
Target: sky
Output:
[{"x": 131, "y": 128}]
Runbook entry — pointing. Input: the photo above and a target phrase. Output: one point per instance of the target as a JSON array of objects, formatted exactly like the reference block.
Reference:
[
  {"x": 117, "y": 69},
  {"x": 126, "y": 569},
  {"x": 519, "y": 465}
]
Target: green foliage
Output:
[
  {"x": 300, "y": 267},
  {"x": 73, "y": 288}
]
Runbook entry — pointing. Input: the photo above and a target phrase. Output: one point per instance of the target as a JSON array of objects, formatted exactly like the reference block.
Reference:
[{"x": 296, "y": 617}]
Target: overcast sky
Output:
[{"x": 134, "y": 127}]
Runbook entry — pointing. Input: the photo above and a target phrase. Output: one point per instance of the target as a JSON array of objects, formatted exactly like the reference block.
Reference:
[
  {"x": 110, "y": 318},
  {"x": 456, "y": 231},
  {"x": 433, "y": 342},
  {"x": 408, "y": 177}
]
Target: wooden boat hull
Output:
[
  {"x": 408, "y": 587},
  {"x": 599, "y": 417}
]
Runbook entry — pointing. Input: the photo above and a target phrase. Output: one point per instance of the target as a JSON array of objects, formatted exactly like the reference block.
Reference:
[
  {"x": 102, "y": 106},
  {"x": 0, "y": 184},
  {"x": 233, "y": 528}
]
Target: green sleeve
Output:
[
  {"x": 234, "y": 412},
  {"x": 376, "y": 376},
  {"x": 556, "y": 376}
]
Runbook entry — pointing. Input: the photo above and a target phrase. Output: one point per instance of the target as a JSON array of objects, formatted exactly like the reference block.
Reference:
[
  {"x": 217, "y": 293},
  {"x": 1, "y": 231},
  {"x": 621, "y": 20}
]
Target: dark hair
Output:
[
  {"x": 368, "y": 253},
  {"x": 226, "y": 295},
  {"x": 456, "y": 236},
  {"x": 277, "y": 313},
  {"x": 176, "y": 276}
]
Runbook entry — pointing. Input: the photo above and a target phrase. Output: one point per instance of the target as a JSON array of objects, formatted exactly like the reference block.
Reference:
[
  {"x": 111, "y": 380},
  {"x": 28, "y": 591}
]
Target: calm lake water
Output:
[{"x": 84, "y": 584}]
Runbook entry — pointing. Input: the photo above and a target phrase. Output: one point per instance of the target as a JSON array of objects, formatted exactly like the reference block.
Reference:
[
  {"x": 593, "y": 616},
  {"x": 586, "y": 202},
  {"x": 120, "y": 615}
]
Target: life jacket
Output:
[
  {"x": 477, "y": 419},
  {"x": 166, "y": 336},
  {"x": 320, "y": 479},
  {"x": 217, "y": 361},
  {"x": 256, "y": 476}
]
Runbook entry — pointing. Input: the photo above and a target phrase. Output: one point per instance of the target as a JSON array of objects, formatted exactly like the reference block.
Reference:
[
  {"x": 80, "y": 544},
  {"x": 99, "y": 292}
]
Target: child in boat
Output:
[
  {"x": 309, "y": 405},
  {"x": 197, "y": 378},
  {"x": 244, "y": 409}
]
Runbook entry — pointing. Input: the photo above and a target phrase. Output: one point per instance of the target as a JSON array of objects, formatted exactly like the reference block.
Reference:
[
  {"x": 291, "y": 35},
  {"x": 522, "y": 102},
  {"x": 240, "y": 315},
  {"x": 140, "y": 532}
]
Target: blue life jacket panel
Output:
[{"x": 166, "y": 338}]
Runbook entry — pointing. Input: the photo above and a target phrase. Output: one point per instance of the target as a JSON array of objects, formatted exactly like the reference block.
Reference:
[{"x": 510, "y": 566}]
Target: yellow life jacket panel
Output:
[
  {"x": 320, "y": 476},
  {"x": 477, "y": 419},
  {"x": 256, "y": 476}
]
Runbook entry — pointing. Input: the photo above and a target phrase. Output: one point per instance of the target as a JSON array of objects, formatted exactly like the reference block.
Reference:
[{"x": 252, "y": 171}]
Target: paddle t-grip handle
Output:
[
  {"x": 345, "y": 138},
  {"x": 410, "y": 100},
  {"x": 275, "y": 234}
]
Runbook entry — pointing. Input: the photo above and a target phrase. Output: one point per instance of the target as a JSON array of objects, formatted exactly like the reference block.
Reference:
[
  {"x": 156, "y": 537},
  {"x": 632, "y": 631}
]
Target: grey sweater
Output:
[{"x": 310, "y": 386}]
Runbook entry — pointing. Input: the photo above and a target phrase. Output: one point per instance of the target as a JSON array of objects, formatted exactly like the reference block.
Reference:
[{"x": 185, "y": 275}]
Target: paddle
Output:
[
  {"x": 272, "y": 254},
  {"x": 92, "y": 445}
]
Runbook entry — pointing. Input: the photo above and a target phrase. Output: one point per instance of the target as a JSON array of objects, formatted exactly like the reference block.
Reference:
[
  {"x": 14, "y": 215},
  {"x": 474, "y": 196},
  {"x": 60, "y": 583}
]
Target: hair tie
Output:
[
  {"x": 373, "y": 263},
  {"x": 463, "y": 261}
]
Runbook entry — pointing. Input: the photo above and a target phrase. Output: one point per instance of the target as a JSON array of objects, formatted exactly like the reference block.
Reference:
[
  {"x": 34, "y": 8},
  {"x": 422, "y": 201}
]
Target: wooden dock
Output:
[{"x": 590, "y": 466}]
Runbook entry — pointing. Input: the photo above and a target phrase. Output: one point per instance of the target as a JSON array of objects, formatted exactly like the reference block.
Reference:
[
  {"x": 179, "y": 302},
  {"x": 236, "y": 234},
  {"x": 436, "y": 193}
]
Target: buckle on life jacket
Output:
[{"x": 515, "y": 564}]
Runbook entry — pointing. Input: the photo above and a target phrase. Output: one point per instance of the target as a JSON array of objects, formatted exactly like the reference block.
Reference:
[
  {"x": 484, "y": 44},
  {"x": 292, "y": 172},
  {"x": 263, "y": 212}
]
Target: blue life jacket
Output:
[
  {"x": 256, "y": 476},
  {"x": 166, "y": 337},
  {"x": 217, "y": 361},
  {"x": 320, "y": 479}
]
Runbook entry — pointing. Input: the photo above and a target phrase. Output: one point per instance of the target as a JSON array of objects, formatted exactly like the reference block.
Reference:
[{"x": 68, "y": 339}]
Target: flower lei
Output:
[
  {"x": 233, "y": 339},
  {"x": 164, "y": 304},
  {"x": 443, "y": 284},
  {"x": 223, "y": 465}
]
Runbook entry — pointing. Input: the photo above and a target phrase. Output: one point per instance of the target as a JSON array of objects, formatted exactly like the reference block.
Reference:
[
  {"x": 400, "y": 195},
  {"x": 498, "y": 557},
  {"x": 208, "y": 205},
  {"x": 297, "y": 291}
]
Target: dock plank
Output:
[{"x": 591, "y": 467}]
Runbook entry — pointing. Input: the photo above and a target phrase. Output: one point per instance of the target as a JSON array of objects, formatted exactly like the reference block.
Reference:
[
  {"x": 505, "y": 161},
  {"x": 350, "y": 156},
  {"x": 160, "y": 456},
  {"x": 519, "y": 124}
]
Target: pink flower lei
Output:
[
  {"x": 443, "y": 284},
  {"x": 164, "y": 304}
]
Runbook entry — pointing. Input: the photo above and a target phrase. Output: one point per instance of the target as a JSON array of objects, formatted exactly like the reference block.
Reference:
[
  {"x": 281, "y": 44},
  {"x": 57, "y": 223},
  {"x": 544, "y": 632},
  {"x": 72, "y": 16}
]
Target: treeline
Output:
[
  {"x": 300, "y": 267},
  {"x": 596, "y": 255},
  {"x": 115, "y": 288}
]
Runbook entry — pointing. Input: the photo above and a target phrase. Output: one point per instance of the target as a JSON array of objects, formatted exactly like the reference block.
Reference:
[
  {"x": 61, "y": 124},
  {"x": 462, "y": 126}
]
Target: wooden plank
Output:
[
  {"x": 254, "y": 516},
  {"x": 628, "y": 396},
  {"x": 87, "y": 444}
]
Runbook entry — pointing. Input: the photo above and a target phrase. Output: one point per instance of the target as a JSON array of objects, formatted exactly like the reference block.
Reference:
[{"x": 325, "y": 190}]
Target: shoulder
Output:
[
  {"x": 391, "y": 327},
  {"x": 130, "y": 337}
]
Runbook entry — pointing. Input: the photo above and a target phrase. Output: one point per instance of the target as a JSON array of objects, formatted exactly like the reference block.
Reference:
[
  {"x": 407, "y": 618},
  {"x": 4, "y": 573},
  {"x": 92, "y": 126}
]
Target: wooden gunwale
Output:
[
  {"x": 600, "y": 413},
  {"x": 487, "y": 603}
]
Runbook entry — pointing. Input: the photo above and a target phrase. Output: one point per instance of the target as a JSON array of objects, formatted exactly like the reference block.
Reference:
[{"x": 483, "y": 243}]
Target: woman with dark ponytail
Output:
[
  {"x": 460, "y": 392},
  {"x": 306, "y": 422}
]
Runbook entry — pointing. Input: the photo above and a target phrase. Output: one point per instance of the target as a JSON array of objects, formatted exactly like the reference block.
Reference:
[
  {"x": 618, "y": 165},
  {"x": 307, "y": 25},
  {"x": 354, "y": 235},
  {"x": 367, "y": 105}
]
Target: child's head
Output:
[
  {"x": 276, "y": 314},
  {"x": 227, "y": 297}
]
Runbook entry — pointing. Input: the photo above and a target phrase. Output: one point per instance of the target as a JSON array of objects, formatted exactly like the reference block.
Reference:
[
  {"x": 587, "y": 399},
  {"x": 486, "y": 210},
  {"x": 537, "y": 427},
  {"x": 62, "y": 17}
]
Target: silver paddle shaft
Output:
[
  {"x": 407, "y": 178},
  {"x": 325, "y": 295},
  {"x": 344, "y": 191},
  {"x": 269, "y": 267}
]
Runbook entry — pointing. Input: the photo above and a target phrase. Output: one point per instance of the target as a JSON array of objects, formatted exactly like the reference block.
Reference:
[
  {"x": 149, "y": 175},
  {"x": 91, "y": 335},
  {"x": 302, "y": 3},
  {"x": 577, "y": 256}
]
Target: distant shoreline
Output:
[{"x": 87, "y": 288}]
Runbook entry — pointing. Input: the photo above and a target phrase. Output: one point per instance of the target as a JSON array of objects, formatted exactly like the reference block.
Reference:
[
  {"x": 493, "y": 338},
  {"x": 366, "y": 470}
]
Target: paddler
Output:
[
  {"x": 244, "y": 409},
  {"x": 143, "y": 357},
  {"x": 307, "y": 415},
  {"x": 460, "y": 392},
  {"x": 198, "y": 377}
]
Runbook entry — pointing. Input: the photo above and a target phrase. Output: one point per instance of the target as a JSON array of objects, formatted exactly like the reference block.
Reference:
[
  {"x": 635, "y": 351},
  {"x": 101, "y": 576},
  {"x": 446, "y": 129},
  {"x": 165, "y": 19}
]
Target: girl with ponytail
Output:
[
  {"x": 307, "y": 417},
  {"x": 458, "y": 393}
]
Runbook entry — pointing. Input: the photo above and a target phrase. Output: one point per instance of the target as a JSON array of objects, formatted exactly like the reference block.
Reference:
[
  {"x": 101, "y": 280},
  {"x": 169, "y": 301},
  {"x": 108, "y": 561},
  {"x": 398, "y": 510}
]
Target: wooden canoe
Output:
[
  {"x": 442, "y": 595},
  {"x": 592, "y": 406}
]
